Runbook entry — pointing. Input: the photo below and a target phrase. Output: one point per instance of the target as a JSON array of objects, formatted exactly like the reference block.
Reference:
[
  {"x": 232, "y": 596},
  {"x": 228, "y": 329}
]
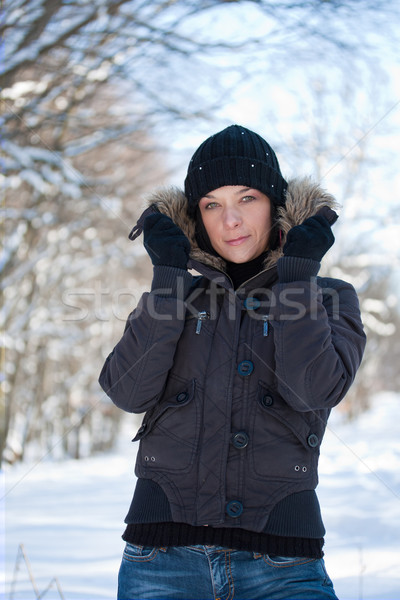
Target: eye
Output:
[
  {"x": 248, "y": 198},
  {"x": 210, "y": 205}
]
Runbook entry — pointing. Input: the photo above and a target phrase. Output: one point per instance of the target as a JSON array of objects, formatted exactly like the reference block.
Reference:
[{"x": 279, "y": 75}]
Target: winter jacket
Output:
[{"x": 236, "y": 385}]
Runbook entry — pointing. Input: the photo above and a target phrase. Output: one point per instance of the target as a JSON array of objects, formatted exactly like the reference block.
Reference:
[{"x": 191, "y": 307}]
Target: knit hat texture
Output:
[{"x": 234, "y": 156}]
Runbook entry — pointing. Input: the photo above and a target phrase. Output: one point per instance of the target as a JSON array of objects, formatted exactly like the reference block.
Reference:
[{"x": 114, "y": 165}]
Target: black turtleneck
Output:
[{"x": 241, "y": 272}]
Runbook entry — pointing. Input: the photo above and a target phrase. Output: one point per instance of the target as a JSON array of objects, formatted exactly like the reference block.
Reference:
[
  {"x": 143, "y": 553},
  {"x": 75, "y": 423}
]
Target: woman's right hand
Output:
[{"x": 165, "y": 242}]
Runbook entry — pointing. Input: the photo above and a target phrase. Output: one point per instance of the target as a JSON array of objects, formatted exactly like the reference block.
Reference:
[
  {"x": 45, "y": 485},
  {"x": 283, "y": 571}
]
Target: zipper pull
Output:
[
  {"x": 265, "y": 328},
  {"x": 201, "y": 316}
]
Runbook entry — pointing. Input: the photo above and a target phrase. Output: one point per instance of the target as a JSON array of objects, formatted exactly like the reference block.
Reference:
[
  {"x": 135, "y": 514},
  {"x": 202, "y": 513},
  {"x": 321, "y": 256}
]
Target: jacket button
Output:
[
  {"x": 240, "y": 439},
  {"x": 313, "y": 440},
  {"x": 234, "y": 508},
  {"x": 245, "y": 368},
  {"x": 182, "y": 397},
  {"x": 252, "y": 303},
  {"x": 266, "y": 401}
]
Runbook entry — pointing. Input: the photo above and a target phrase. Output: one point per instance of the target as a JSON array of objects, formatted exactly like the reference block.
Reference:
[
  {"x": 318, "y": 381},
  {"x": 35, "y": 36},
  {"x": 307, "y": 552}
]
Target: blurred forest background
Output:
[{"x": 102, "y": 101}]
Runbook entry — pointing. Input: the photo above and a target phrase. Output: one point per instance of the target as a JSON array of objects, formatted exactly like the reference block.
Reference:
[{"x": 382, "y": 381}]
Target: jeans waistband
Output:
[{"x": 210, "y": 549}]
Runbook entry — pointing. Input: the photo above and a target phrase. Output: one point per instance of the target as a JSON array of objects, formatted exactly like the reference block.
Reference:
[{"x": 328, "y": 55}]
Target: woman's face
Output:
[{"x": 238, "y": 221}]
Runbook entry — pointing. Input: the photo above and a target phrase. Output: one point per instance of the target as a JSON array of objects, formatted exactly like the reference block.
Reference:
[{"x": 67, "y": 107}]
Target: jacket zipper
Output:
[
  {"x": 265, "y": 326},
  {"x": 201, "y": 316}
]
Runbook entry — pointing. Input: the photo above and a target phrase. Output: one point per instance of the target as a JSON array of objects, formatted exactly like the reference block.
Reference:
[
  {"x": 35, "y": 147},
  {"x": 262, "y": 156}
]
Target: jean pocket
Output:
[
  {"x": 135, "y": 553},
  {"x": 287, "y": 561}
]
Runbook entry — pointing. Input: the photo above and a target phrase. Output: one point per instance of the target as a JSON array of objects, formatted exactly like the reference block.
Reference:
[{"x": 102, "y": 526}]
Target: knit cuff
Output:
[
  {"x": 293, "y": 268},
  {"x": 171, "y": 282}
]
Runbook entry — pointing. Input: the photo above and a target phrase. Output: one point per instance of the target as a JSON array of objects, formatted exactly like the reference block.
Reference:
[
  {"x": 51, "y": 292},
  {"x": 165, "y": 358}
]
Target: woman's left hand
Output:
[{"x": 313, "y": 238}]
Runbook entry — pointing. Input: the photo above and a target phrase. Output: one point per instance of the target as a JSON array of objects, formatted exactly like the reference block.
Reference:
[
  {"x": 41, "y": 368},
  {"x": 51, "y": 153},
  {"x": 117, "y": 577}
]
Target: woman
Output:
[{"x": 237, "y": 369}]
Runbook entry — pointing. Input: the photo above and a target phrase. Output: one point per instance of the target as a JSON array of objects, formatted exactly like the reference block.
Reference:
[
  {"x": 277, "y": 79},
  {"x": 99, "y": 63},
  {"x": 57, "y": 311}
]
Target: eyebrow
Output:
[{"x": 241, "y": 191}]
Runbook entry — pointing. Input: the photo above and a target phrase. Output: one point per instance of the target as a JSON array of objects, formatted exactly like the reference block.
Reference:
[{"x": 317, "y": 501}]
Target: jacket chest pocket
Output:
[
  {"x": 169, "y": 433},
  {"x": 283, "y": 444}
]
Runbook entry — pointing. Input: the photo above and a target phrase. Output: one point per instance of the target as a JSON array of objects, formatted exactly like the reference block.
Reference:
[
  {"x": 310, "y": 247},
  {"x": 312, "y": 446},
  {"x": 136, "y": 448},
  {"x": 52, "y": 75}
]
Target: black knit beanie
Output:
[{"x": 234, "y": 156}]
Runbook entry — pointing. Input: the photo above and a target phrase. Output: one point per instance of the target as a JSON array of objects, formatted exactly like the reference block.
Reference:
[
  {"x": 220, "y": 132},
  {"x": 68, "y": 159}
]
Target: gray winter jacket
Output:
[{"x": 236, "y": 386}]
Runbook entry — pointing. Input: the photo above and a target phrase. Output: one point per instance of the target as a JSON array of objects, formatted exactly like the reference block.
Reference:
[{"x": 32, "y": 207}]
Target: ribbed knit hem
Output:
[
  {"x": 171, "y": 282},
  {"x": 163, "y": 535},
  {"x": 297, "y": 515},
  {"x": 293, "y": 268}
]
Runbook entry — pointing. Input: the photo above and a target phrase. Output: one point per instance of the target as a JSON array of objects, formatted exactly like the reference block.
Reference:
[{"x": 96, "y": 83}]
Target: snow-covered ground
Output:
[{"x": 69, "y": 515}]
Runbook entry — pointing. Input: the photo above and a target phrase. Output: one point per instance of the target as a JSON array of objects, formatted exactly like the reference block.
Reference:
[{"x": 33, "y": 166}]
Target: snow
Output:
[{"x": 69, "y": 515}]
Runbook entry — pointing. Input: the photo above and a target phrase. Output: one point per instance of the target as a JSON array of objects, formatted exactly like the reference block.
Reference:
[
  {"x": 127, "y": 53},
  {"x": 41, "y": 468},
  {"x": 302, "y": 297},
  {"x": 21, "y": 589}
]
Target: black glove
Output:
[
  {"x": 165, "y": 242},
  {"x": 313, "y": 238}
]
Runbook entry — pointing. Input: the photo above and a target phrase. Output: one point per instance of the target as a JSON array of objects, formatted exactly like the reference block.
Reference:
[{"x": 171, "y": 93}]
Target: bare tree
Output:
[{"x": 63, "y": 286}]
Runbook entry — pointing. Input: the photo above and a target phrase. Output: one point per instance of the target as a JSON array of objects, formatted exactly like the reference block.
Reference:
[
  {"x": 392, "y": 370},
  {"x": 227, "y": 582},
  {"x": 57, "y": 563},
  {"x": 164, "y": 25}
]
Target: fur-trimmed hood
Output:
[{"x": 304, "y": 198}]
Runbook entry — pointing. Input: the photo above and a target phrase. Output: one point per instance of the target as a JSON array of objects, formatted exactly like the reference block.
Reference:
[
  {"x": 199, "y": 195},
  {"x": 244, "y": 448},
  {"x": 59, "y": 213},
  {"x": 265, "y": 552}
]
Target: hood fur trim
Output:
[{"x": 304, "y": 198}]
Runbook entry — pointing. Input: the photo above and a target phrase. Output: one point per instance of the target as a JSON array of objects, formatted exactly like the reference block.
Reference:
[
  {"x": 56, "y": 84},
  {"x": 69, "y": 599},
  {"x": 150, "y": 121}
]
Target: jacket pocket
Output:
[
  {"x": 169, "y": 433},
  {"x": 283, "y": 446}
]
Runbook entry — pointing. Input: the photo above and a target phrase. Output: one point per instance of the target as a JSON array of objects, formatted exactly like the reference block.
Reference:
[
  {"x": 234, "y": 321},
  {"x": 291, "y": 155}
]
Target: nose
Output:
[{"x": 232, "y": 218}]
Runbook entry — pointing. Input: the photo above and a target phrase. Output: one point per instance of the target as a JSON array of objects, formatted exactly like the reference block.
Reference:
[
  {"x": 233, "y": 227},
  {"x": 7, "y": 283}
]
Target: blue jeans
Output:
[{"x": 213, "y": 572}]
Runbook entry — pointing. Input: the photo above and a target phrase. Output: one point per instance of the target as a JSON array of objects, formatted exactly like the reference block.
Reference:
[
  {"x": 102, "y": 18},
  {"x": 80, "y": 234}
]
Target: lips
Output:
[{"x": 238, "y": 241}]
